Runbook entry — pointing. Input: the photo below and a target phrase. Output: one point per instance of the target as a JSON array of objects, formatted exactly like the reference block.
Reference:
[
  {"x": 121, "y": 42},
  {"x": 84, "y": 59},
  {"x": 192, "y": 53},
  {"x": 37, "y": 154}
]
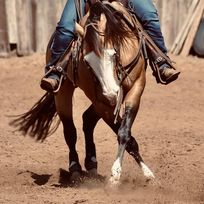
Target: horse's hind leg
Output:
[
  {"x": 90, "y": 119},
  {"x": 63, "y": 100}
]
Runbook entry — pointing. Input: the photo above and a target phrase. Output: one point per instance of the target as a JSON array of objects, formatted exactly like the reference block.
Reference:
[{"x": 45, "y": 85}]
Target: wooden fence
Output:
[
  {"x": 172, "y": 15},
  {"x": 26, "y": 25}
]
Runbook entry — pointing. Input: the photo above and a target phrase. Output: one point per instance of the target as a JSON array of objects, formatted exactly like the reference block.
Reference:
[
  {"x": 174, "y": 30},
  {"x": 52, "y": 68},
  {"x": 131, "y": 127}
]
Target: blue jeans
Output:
[
  {"x": 148, "y": 16},
  {"x": 64, "y": 32},
  {"x": 144, "y": 10}
]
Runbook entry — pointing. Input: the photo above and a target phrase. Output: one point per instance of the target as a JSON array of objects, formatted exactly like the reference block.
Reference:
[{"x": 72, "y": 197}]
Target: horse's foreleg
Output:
[
  {"x": 90, "y": 119},
  {"x": 131, "y": 146},
  {"x": 126, "y": 141},
  {"x": 133, "y": 149}
]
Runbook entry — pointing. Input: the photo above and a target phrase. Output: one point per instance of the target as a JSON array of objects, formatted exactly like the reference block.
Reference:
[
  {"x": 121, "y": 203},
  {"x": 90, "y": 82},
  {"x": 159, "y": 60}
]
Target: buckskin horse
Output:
[{"x": 109, "y": 67}]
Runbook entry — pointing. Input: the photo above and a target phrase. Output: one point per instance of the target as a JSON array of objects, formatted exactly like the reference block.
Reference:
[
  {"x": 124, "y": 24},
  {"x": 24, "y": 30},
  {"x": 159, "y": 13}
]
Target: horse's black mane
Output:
[{"x": 116, "y": 31}]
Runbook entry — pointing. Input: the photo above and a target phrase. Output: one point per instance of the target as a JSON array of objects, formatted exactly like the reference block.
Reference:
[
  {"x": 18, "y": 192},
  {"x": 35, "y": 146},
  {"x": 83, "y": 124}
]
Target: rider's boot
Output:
[
  {"x": 51, "y": 79},
  {"x": 50, "y": 82},
  {"x": 168, "y": 74}
]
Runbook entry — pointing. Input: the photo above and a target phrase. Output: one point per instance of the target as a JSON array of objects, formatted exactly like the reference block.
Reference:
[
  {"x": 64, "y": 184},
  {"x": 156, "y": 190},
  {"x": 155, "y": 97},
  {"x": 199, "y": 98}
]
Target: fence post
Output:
[
  {"x": 25, "y": 27},
  {"x": 46, "y": 15},
  {"x": 4, "y": 44},
  {"x": 11, "y": 21}
]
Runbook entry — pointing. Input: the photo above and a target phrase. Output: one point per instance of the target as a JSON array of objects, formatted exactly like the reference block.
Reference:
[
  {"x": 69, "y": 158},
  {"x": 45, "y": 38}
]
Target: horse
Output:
[{"x": 110, "y": 69}]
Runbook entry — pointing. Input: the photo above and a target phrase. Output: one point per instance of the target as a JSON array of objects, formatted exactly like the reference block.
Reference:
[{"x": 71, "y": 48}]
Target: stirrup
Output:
[
  {"x": 159, "y": 79},
  {"x": 156, "y": 71},
  {"x": 60, "y": 70},
  {"x": 59, "y": 84}
]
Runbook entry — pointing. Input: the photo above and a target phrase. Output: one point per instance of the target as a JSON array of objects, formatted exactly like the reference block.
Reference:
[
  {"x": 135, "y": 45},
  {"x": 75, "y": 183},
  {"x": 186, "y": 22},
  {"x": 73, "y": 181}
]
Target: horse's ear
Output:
[{"x": 79, "y": 29}]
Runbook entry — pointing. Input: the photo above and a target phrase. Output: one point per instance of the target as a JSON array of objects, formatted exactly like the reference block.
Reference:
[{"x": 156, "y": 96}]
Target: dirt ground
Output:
[{"x": 169, "y": 130}]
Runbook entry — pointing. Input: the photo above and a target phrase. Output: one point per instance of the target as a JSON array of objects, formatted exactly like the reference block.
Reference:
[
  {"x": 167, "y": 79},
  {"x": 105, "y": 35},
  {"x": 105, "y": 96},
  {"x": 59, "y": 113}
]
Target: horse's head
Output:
[{"x": 105, "y": 37}]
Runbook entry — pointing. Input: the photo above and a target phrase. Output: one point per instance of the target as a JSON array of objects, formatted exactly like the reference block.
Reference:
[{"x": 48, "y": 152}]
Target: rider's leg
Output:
[
  {"x": 148, "y": 16},
  {"x": 63, "y": 35}
]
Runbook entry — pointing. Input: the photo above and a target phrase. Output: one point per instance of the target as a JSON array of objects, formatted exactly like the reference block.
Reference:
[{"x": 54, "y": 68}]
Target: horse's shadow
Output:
[
  {"x": 40, "y": 179},
  {"x": 66, "y": 179}
]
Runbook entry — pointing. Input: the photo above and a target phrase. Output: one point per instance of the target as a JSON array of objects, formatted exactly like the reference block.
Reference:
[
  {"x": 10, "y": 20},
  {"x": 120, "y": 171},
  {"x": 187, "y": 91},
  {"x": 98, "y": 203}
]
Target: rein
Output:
[
  {"x": 125, "y": 70},
  {"x": 128, "y": 68}
]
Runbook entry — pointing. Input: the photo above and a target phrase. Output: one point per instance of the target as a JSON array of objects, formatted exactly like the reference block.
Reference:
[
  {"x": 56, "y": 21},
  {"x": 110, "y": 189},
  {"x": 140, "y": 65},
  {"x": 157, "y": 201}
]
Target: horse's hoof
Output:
[
  {"x": 93, "y": 172},
  {"x": 75, "y": 167},
  {"x": 75, "y": 177},
  {"x": 90, "y": 163}
]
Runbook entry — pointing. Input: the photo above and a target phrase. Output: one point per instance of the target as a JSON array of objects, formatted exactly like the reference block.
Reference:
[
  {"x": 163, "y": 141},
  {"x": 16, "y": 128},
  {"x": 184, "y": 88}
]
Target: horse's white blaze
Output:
[
  {"x": 147, "y": 172},
  {"x": 116, "y": 172},
  {"x": 103, "y": 68}
]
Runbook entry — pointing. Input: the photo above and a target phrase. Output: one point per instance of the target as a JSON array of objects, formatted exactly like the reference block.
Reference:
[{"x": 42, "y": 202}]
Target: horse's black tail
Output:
[{"x": 38, "y": 120}]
